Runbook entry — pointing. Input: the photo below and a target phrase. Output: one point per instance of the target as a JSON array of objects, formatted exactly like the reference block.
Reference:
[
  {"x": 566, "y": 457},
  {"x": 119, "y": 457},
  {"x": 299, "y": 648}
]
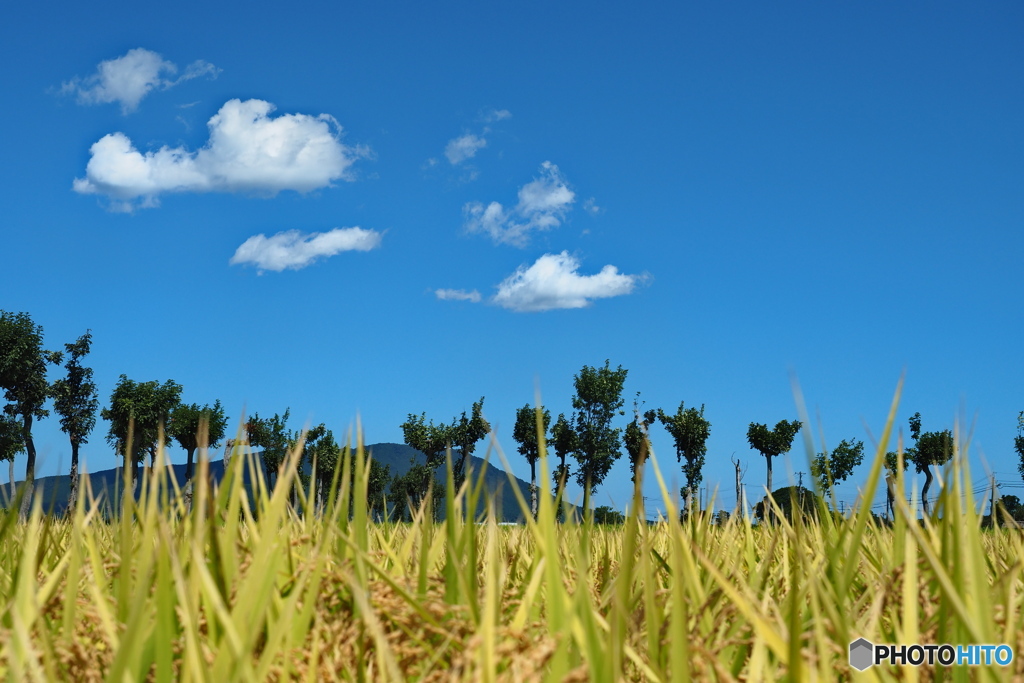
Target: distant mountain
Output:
[{"x": 397, "y": 457}]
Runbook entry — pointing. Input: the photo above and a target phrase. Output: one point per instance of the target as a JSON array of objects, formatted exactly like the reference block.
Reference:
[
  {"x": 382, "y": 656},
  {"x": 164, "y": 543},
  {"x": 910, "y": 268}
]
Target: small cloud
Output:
[
  {"x": 187, "y": 105},
  {"x": 553, "y": 282},
  {"x": 457, "y": 295},
  {"x": 295, "y": 250},
  {"x": 462, "y": 148},
  {"x": 543, "y": 204},
  {"x": 493, "y": 115},
  {"x": 591, "y": 207},
  {"x": 129, "y": 78},
  {"x": 248, "y": 151}
]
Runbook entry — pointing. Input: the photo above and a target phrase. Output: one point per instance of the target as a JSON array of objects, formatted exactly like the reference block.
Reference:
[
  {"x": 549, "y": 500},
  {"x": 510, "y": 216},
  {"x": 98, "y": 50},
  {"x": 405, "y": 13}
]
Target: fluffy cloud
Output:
[
  {"x": 493, "y": 115},
  {"x": 248, "y": 151},
  {"x": 542, "y": 205},
  {"x": 462, "y": 148},
  {"x": 295, "y": 250},
  {"x": 130, "y": 78},
  {"x": 457, "y": 295},
  {"x": 553, "y": 282}
]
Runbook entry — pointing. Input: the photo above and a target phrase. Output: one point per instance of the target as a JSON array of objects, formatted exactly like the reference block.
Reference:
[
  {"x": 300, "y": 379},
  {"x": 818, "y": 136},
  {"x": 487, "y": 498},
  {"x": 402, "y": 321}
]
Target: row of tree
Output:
[{"x": 141, "y": 413}]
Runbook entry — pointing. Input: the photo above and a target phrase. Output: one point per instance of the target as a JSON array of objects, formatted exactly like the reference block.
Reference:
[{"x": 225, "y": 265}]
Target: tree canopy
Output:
[
  {"x": 464, "y": 433},
  {"x": 690, "y": 431},
  {"x": 530, "y": 428},
  {"x": 186, "y": 422},
  {"x": 636, "y": 438},
  {"x": 930, "y": 448},
  {"x": 772, "y": 442},
  {"x": 598, "y": 399},
  {"x": 139, "y": 409},
  {"x": 273, "y": 438},
  {"x": 837, "y": 466},
  {"x": 1018, "y": 443},
  {"x": 76, "y": 401}
]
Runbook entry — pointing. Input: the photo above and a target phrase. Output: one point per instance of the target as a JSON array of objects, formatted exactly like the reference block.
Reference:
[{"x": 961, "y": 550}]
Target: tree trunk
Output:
[
  {"x": 924, "y": 491},
  {"x": 769, "y": 459},
  {"x": 188, "y": 464},
  {"x": 10, "y": 464},
  {"x": 687, "y": 499},
  {"x": 30, "y": 464},
  {"x": 586, "y": 501},
  {"x": 533, "y": 489},
  {"x": 73, "y": 494}
]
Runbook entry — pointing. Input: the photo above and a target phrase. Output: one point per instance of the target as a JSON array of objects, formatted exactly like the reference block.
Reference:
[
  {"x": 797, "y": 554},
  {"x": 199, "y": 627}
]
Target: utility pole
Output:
[
  {"x": 739, "y": 481},
  {"x": 801, "y": 475},
  {"x": 992, "y": 506}
]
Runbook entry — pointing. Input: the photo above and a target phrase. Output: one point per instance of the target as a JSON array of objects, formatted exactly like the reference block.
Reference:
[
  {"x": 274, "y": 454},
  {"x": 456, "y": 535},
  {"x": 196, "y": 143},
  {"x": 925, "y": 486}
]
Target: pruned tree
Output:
[
  {"x": 433, "y": 441},
  {"x": 690, "y": 431},
  {"x": 892, "y": 468},
  {"x": 772, "y": 442},
  {"x": 23, "y": 364},
  {"x": 322, "y": 454},
  {"x": 464, "y": 433},
  {"x": 408, "y": 491},
  {"x": 186, "y": 426},
  {"x": 139, "y": 409},
  {"x": 564, "y": 440},
  {"x": 636, "y": 438},
  {"x": 273, "y": 437},
  {"x": 376, "y": 489},
  {"x": 598, "y": 399},
  {"x": 12, "y": 442},
  {"x": 830, "y": 468},
  {"x": 76, "y": 401},
  {"x": 930, "y": 449},
  {"x": 529, "y": 432}
]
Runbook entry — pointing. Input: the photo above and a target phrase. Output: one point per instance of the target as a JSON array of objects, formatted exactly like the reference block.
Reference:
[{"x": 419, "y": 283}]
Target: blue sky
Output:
[{"x": 377, "y": 209}]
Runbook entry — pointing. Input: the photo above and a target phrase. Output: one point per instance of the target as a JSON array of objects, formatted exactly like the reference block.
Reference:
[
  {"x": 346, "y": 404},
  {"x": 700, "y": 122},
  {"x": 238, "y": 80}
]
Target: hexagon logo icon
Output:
[{"x": 861, "y": 654}]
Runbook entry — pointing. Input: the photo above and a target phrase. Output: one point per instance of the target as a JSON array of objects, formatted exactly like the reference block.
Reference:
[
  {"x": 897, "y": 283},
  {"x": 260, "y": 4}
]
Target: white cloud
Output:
[
  {"x": 295, "y": 250},
  {"x": 130, "y": 78},
  {"x": 248, "y": 151},
  {"x": 464, "y": 147},
  {"x": 591, "y": 207},
  {"x": 542, "y": 205},
  {"x": 553, "y": 282},
  {"x": 493, "y": 115},
  {"x": 457, "y": 295}
]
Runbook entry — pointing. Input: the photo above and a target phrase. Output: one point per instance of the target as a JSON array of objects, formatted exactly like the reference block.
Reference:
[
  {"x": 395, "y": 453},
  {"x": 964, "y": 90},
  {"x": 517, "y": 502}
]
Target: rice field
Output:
[{"x": 286, "y": 585}]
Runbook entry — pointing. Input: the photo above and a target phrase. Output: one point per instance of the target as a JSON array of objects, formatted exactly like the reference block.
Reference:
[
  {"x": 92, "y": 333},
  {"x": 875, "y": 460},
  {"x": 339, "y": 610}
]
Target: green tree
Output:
[
  {"x": 597, "y": 400},
  {"x": 188, "y": 420},
  {"x": 139, "y": 409},
  {"x": 1018, "y": 443},
  {"x": 690, "y": 431},
  {"x": 891, "y": 468},
  {"x": 831, "y": 468},
  {"x": 636, "y": 438},
  {"x": 76, "y": 401},
  {"x": 1013, "y": 507},
  {"x": 772, "y": 442},
  {"x": 464, "y": 433},
  {"x": 323, "y": 455},
  {"x": 432, "y": 441},
  {"x": 606, "y": 515},
  {"x": 23, "y": 364},
  {"x": 930, "y": 448},
  {"x": 529, "y": 432},
  {"x": 789, "y": 498},
  {"x": 273, "y": 437},
  {"x": 12, "y": 442},
  {"x": 408, "y": 491},
  {"x": 380, "y": 476},
  {"x": 564, "y": 440}
]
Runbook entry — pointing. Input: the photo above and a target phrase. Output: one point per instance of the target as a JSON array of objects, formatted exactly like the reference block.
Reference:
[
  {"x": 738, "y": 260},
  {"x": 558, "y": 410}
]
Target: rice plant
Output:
[{"x": 243, "y": 582}]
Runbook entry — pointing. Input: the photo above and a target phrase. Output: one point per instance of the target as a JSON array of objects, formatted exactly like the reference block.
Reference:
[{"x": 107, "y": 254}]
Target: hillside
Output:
[{"x": 398, "y": 457}]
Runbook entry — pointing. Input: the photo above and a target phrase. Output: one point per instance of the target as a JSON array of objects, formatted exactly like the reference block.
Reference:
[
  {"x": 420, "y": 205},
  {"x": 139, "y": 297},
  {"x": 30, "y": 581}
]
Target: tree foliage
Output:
[
  {"x": 598, "y": 399},
  {"x": 690, "y": 431},
  {"x": 429, "y": 439},
  {"x": 636, "y": 438},
  {"x": 530, "y": 430},
  {"x": 188, "y": 420},
  {"x": 23, "y": 364},
  {"x": 464, "y": 433},
  {"x": 376, "y": 489},
  {"x": 772, "y": 442},
  {"x": 606, "y": 515},
  {"x": 76, "y": 401},
  {"x": 273, "y": 438},
  {"x": 930, "y": 449},
  {"x": 837, "y": 466},
  {"x": 141, "y": 409},
  {"x": 790, "y": 499},
  {"x": 563, "y": 438}
]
